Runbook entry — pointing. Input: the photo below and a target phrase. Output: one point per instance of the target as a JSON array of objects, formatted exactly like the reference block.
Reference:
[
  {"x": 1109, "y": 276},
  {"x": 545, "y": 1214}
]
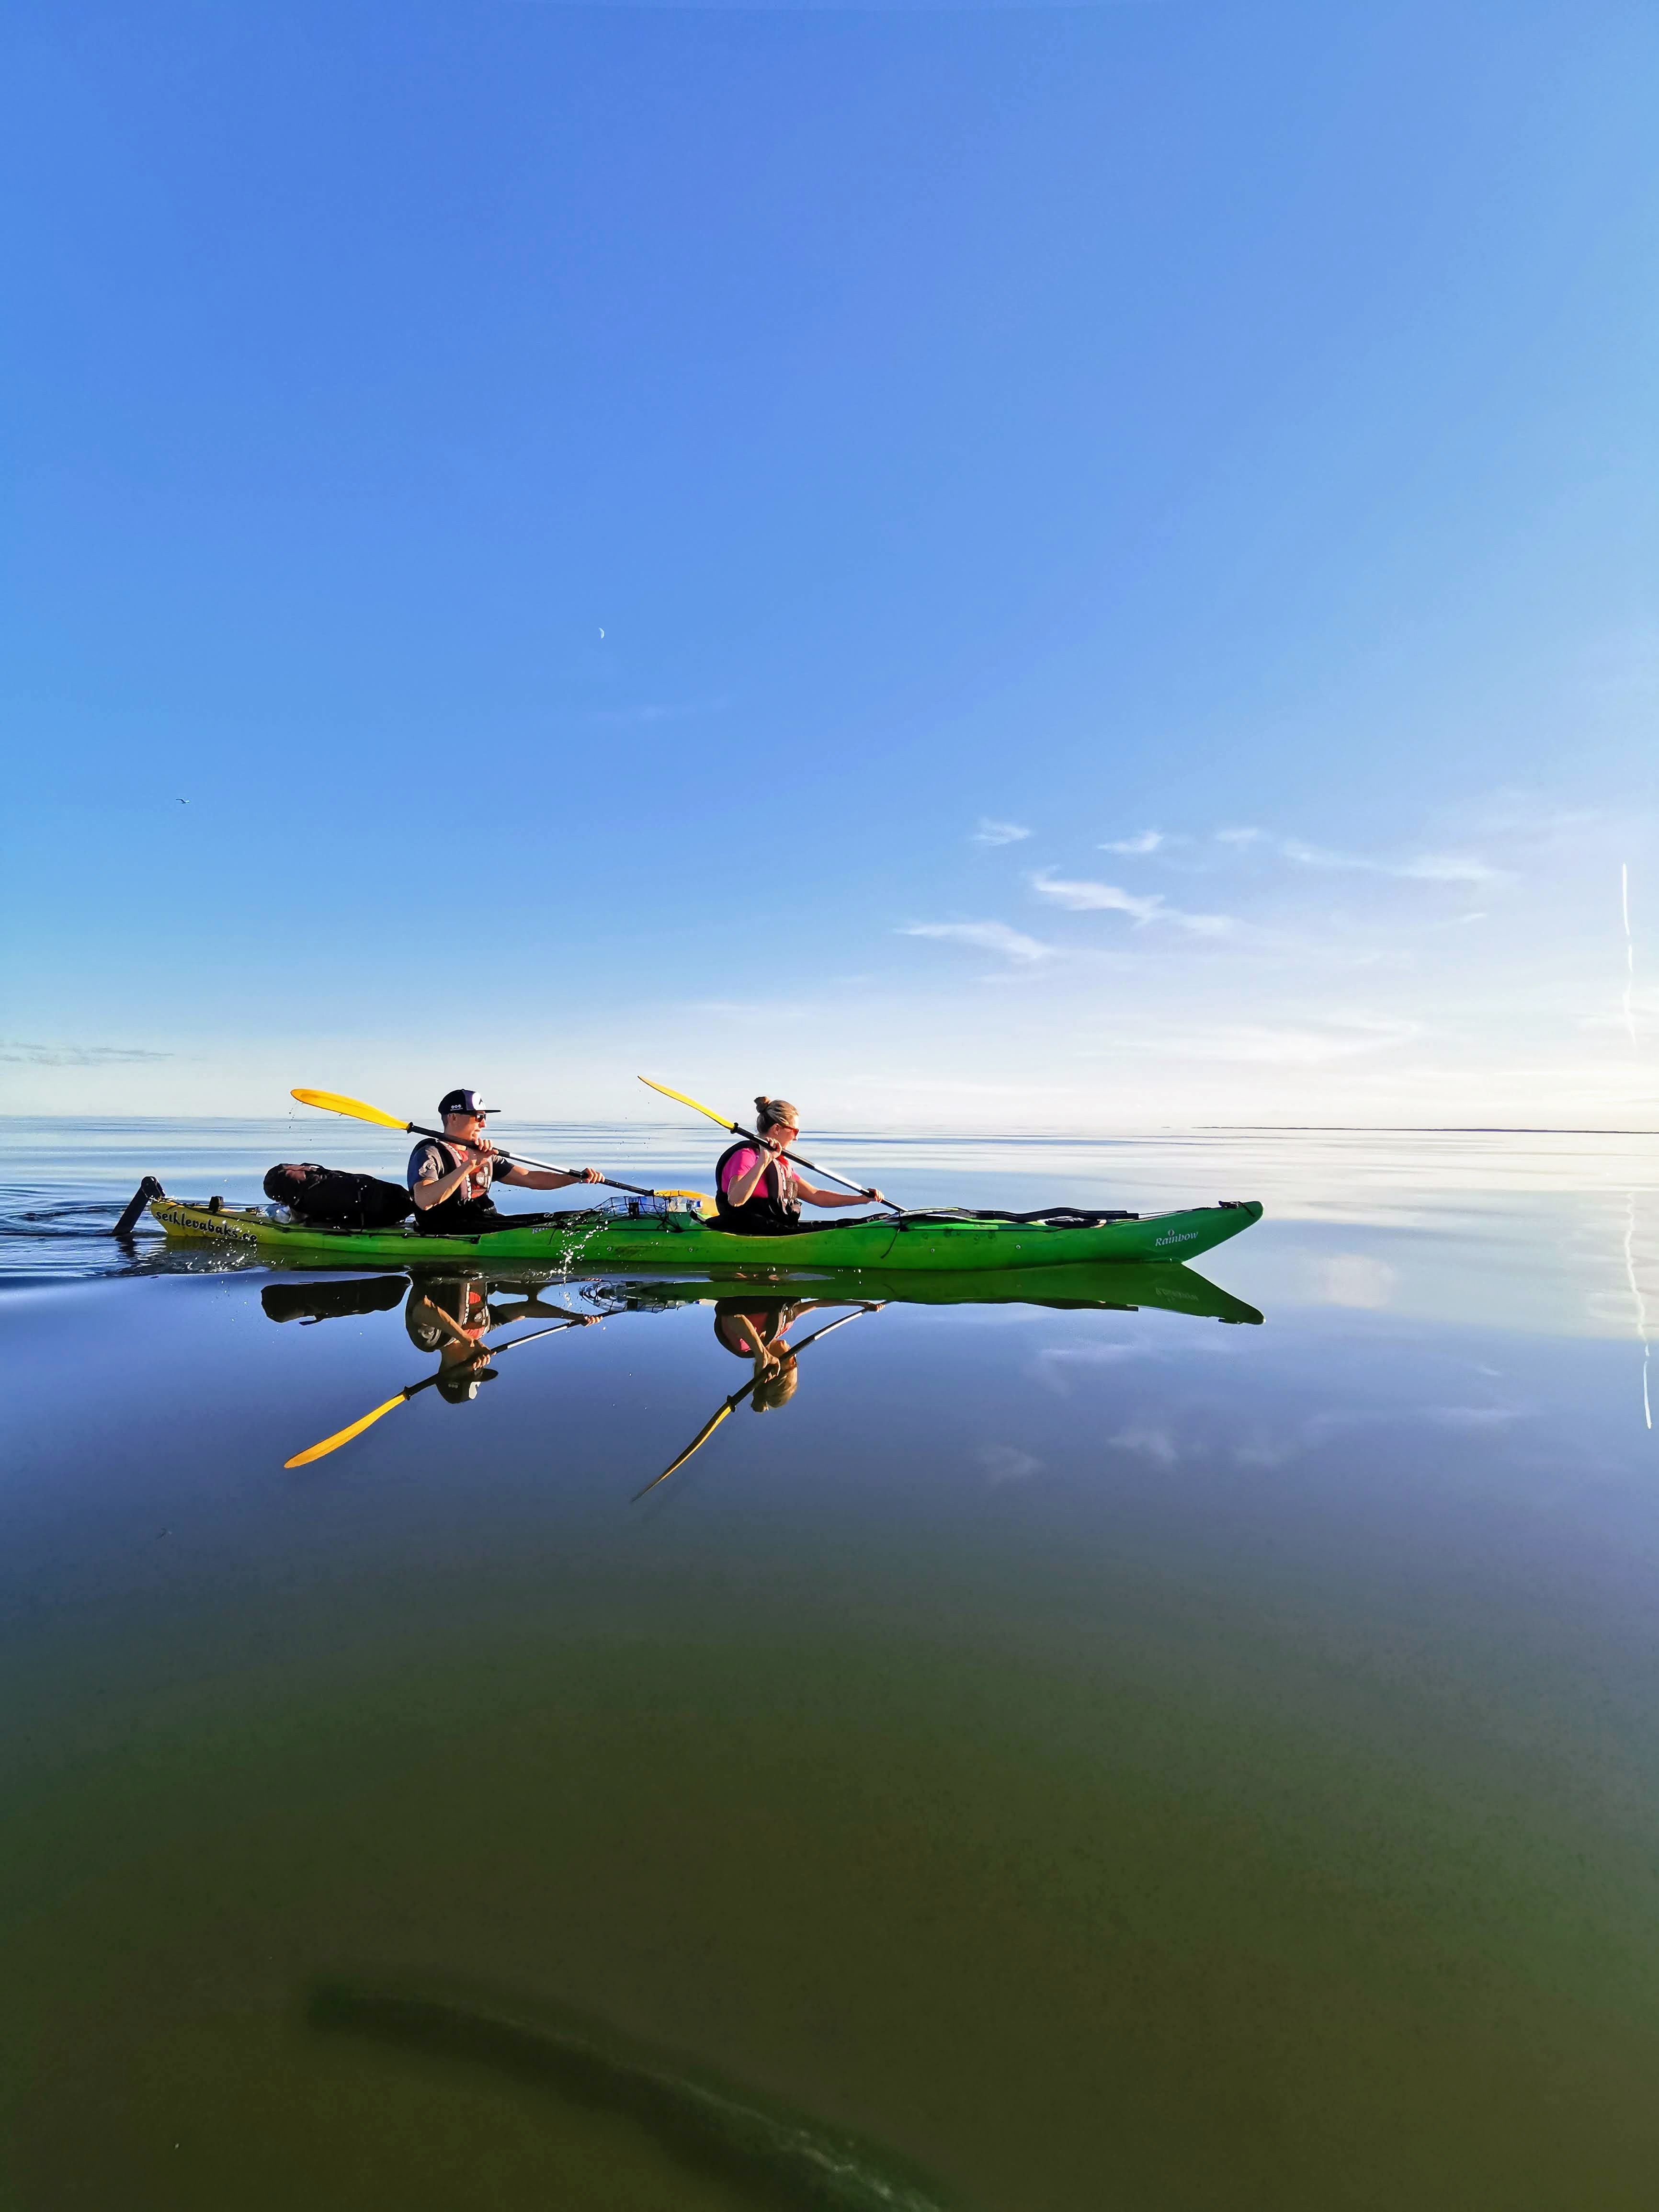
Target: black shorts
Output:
[{"x": 473, "y": 1217}]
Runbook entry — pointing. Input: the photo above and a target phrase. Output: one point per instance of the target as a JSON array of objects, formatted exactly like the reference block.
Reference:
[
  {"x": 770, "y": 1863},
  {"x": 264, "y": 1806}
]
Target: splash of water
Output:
[
  {"x": 1639, "y": 1302},
  {"x": 1630, "y": 948}
]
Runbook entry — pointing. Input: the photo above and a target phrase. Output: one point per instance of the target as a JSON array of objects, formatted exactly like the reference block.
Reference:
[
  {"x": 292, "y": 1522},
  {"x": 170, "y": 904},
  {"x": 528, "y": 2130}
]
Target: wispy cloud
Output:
[
  {"x": 1239, "y": 837},
  {"x": 1450, "y": 868},
  {"x": 1345, "y": 1038},
  {"x": 1423, "y": 867},
  {"x": 999, "y": 833},
  {"x": 1108, "y": 898},
  {"x": 1316, "y": 1043},
  {"x": 1148, "y": 841},
  {"x": 641, "y": 716},
  {"x": 73, "y": 1055},
  {"x": 985, "y": 937}
]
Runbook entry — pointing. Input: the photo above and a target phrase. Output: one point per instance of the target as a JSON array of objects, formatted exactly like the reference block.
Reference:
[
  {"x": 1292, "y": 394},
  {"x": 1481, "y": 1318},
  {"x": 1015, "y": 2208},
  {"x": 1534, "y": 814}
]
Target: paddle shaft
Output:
[
  {"x": 523, "y": 1160},
  {"x": 801, "y": 1161},
  {"x": 737, "y": 1129}
]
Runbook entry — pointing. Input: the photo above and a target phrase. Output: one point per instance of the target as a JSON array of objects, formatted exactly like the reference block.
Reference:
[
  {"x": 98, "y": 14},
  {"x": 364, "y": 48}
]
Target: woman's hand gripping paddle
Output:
[
  {"x": 737, "y": 1130},
  {"x": 331, "y": 1101},
  {"x": 737, "y": 1397}
]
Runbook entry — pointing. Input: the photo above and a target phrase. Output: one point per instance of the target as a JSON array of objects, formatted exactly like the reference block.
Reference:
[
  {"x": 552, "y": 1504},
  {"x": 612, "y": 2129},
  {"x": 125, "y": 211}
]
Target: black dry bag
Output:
[{"x": 331, "y": 1198}]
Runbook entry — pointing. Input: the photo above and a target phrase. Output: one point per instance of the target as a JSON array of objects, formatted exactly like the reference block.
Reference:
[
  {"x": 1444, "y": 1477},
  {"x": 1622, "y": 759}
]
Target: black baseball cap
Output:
[{"x": 464, "y": 1102}]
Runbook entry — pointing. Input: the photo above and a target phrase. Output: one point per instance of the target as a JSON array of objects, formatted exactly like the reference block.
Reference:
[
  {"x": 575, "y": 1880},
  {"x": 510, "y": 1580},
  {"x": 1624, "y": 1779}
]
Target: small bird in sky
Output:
[{"x": 184, "y": 802}]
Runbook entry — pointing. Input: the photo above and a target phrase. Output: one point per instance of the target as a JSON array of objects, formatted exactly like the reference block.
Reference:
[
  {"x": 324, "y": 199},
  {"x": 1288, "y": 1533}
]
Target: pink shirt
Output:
[{"x": 740, "y": 1163}]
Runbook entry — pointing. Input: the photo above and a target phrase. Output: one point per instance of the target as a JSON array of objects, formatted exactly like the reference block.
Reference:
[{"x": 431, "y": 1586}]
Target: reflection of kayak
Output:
[
  {"x": 606, "y": 1238},
  {"x": 1105, "y": 1286}
]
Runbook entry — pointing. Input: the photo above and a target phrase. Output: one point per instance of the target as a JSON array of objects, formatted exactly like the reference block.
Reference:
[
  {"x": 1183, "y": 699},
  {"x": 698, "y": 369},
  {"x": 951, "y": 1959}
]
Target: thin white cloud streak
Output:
[
  {"x": 1148, "y": 842},
  {"x": 1083, "y": 897},
  {"x": 1425, "y": 867},
  {"x": 999, "y": 833},
  {"x": 1260, "y": 1044},
  {"x": 985, "y": 937},
  {"x": 74, "y": 1055}
]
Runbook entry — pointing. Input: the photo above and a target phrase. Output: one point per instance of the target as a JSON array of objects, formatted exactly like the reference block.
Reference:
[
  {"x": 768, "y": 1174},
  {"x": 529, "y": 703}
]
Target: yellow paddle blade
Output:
[
  {"x": 332, "y": 1102},
  {"x": 344, "y": 1436},
  {"x": 695, "y": 1444},
  {"x": 696, "y": 1104}
]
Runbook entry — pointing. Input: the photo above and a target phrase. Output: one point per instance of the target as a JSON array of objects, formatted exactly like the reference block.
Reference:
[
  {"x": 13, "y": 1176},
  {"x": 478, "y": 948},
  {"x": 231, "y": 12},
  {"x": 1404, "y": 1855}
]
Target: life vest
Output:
[
  {"x": 455, "y": 1215},
  {"x": 772, "y": 1211}
]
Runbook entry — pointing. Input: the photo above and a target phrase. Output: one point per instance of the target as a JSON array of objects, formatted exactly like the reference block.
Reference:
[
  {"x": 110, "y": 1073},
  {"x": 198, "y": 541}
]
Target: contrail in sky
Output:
[{"x": 1629, "y": 948}]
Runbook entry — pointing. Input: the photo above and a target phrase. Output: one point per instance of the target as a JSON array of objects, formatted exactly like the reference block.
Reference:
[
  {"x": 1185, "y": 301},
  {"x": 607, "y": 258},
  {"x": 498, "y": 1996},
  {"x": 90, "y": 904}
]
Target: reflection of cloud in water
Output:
[
  {"x": 1261, "y": 1448},
  {"x": 1007, "y": 1463},
  {"x": 1156, "y": 1444},
  {"x": 1355, "y": 1279},
  {"x": 1056, "y": 1364},
  {"x": 1475, "y": 1417}
]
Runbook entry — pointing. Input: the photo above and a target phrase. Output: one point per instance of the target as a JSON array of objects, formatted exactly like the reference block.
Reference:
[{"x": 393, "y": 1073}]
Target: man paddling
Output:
[{"x": 450, "y": 1177}]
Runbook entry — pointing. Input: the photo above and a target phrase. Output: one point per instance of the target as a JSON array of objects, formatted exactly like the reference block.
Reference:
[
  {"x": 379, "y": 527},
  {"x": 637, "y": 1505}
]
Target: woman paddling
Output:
[{"x": 759, "y": 1190}]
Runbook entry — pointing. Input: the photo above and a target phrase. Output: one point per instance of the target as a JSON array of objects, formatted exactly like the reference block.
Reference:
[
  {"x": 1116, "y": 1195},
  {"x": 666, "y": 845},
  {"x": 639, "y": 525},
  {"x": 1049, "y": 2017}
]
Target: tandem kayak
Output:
[{"x": 952, "y": 1240}]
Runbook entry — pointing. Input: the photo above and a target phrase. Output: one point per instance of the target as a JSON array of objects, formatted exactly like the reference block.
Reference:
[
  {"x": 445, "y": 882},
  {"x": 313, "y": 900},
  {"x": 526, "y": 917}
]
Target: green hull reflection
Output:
[
  {"x": 1103, "y": 1285},
  {"x": 1107, "y": 1286}
]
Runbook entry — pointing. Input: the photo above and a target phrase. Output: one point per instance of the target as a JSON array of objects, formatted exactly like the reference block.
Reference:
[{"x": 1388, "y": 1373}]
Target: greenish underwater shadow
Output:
[{"x": 768, "y": 2153}]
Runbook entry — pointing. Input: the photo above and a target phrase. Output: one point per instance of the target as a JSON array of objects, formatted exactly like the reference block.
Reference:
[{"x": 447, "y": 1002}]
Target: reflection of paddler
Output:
[
  {"x": 451, "y": 1316},
  {"x": 742, "y": 1328},
  {"x": 758, "y": 1332}
]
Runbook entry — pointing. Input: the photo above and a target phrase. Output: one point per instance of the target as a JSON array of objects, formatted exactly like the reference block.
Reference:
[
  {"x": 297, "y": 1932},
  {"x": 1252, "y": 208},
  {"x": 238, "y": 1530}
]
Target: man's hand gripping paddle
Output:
[{"x": 331, "y": 1102}]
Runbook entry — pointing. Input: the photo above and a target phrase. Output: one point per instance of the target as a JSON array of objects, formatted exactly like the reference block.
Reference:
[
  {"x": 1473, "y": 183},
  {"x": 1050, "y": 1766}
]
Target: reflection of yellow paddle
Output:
[
  {"x": 737, "y": 1396},
  {"x": 344, "y": 1436},
  {"x": 737, "y": 1130}
]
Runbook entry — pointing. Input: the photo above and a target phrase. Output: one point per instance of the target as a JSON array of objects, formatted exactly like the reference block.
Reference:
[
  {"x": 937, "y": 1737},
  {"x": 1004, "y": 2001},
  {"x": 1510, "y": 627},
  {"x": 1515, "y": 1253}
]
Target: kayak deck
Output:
[{"x": 604, "y": 1238}]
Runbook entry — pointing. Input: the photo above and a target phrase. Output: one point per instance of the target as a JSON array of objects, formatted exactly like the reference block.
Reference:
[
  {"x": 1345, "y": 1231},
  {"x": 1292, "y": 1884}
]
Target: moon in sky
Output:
[{"x": 601, "y": 633}]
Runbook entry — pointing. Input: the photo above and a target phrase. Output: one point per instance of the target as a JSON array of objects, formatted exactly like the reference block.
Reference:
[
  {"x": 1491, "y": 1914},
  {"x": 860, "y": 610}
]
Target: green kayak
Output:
[{"x": 660, "y": 1233}]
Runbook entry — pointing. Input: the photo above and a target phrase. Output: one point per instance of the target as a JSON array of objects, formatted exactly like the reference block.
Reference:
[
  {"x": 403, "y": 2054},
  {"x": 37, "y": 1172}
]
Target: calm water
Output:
[{"x": 1193, "y": 1746}]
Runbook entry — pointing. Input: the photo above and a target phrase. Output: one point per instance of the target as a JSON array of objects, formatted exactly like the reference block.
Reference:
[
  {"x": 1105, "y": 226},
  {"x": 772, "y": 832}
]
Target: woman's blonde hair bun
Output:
[{"x": 774, "y": 1109}]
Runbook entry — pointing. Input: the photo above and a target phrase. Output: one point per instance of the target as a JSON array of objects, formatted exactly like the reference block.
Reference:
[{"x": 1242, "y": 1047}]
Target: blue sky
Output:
[{"x": 1012, "y": 567}]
